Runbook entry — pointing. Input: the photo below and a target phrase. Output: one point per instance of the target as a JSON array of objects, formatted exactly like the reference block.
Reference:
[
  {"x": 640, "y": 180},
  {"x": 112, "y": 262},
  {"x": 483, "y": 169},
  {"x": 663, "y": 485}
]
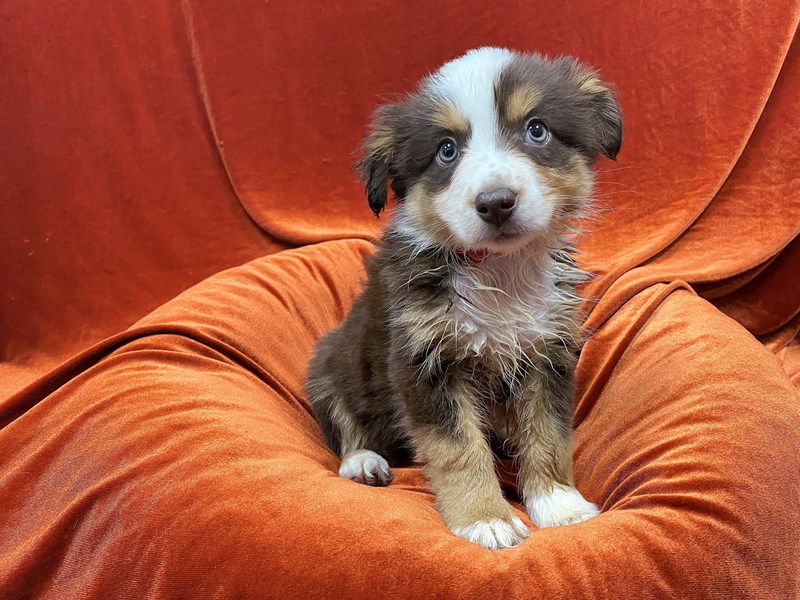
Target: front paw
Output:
[
  {"x": 562, "y": 505},
  {"x": 494, "y": 534}
]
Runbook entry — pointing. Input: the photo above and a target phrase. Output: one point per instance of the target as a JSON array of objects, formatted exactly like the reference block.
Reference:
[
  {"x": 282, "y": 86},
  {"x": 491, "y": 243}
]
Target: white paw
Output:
[
  {"x": 366, "y": 466},
  {"x": 494, "y": 534},
  {"x": 562, "y": 506}
]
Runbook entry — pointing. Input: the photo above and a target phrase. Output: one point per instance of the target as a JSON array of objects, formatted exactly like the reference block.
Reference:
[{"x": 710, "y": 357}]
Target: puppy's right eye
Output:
[
  {"x": 536, "y": 133},
  {"x": 447, "y": 152}
]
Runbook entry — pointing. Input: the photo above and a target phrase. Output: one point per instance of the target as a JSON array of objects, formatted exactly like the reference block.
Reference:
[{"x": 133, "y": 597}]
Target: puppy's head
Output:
[{"x": 493, "y": 150}]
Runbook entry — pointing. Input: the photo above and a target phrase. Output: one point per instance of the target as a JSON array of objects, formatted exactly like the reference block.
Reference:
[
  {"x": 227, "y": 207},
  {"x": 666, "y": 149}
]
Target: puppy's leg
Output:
[
  {"x": 366, "y": 466},
  {"x": 358, "y": 463},
  {"x": 448, "y": 437},
  {"x": 346, "y": 436},
  {"x": 542, "y": 436}
]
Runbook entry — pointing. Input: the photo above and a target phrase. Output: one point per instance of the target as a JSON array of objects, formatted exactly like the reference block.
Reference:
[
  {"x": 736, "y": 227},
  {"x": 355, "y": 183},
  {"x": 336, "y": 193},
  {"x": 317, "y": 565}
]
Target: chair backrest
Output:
[{"x": 146, "y": 145}]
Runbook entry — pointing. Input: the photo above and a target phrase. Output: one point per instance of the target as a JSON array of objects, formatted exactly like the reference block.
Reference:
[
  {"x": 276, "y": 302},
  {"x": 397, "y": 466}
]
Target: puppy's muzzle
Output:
[{"x": 497, "y": 206}]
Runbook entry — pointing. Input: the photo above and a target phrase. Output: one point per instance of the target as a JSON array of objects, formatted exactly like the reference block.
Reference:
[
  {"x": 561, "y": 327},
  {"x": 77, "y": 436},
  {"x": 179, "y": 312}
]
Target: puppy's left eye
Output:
[
  {"x": 536, "y": 132},
  {"x": 447, "y": 152}
]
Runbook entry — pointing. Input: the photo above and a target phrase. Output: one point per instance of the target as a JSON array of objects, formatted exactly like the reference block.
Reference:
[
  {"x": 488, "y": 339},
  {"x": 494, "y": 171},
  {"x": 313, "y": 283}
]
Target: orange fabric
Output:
[
  {"x": 113, "y": 195},
  {"x": 147, "y": 146},
  {"x": 204, "y": 475},
  {"x": 789, "y": 356},
  {"x": 785, "y": 343}
]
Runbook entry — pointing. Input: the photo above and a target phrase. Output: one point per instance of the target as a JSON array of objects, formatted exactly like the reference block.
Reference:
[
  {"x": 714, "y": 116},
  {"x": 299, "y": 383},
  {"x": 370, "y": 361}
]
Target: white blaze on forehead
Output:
[
  {"x": 487, "y": 163},
  {"x": 468, "y": 83}
]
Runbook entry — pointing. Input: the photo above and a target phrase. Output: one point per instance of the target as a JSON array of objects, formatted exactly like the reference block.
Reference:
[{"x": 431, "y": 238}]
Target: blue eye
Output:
[
  {"x": 536, "y": 133},
  {"x": 447, "y": 152}
]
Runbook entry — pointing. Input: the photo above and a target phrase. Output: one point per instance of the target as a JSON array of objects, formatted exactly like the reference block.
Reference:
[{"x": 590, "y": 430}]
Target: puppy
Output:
[{"x": 468, "y": 325}]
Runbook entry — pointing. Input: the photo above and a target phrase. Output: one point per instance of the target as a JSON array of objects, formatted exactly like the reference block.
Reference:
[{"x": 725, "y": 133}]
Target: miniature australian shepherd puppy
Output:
[{"x": 468, "y": 327}]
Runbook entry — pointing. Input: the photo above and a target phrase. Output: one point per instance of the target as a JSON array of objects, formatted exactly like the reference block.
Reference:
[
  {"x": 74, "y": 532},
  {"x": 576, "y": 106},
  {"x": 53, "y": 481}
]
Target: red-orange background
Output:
[{"x": 147, "y": 146}]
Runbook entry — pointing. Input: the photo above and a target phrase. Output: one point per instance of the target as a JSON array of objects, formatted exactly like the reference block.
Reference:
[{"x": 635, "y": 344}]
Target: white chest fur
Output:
[{"x": 504, "y": 305}]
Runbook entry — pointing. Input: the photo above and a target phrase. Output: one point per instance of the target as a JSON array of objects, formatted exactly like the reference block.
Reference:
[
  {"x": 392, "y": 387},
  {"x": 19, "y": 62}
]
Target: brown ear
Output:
[
  {"x": 375, "y": 167},
  {"x": 606, "y": 112},
  {"x": 609, "y": 122}
]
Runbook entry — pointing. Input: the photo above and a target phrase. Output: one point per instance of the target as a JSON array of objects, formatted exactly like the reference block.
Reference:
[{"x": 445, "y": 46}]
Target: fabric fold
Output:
[{"x": 164, "y": 464}]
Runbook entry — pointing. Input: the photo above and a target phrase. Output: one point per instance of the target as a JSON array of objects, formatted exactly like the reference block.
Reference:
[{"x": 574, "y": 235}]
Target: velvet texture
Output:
[
  {"x": 148, "y": 146},
  {"x": 178, "y": 460}
]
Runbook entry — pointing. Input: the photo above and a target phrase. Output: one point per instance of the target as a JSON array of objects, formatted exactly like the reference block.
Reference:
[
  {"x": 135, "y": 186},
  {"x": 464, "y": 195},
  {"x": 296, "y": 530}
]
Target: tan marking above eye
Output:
[
  {"x": 448, "y": 117},
  {"x": 521, "y": 102}
]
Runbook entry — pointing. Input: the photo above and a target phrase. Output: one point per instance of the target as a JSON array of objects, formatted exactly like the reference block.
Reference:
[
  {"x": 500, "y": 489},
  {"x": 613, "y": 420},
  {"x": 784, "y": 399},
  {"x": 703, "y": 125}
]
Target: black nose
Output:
[{"x": 496, "y": 207}]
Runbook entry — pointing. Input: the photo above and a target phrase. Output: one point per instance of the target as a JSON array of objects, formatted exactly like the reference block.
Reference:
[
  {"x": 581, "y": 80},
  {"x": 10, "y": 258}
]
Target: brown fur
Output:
[
  {"x": 461, "y": 468},
  {"x": 411, "y": 388},
  {"x": 398, "y": 376}
]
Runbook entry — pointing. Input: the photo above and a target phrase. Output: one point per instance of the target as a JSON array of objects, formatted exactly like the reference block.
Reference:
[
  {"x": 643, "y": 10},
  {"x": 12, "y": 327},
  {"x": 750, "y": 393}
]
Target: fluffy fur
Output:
[{"x": 469, "y": 324}]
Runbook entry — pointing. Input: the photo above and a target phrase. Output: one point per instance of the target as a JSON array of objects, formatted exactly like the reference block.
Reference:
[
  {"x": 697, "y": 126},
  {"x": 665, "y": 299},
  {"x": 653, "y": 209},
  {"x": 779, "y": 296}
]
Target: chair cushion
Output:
[{"x": 179, "y": 459}]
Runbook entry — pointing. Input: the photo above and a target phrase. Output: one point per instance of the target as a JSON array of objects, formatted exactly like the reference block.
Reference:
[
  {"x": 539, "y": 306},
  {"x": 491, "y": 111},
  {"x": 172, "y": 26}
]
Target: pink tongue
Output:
[{"x": 476, "y": 256}]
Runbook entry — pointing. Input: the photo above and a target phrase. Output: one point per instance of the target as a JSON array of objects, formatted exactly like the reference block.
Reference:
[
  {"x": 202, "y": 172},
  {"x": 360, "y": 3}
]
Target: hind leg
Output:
[
  {"x": 347, "y": 437},
  {"x": 366, "y": 466},
  {"x": 358, "y": 464}
]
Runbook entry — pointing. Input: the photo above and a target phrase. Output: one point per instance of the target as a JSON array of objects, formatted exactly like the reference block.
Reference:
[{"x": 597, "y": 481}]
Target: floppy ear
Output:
[
  {"x": 606, "y": 113},
  {"x": 609, "y": 122},
  {"x": 375, "y": 167}
]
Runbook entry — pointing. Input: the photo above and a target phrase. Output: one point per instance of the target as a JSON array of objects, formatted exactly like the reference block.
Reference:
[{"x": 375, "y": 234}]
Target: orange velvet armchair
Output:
[{"x": 180, "y": 225}]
